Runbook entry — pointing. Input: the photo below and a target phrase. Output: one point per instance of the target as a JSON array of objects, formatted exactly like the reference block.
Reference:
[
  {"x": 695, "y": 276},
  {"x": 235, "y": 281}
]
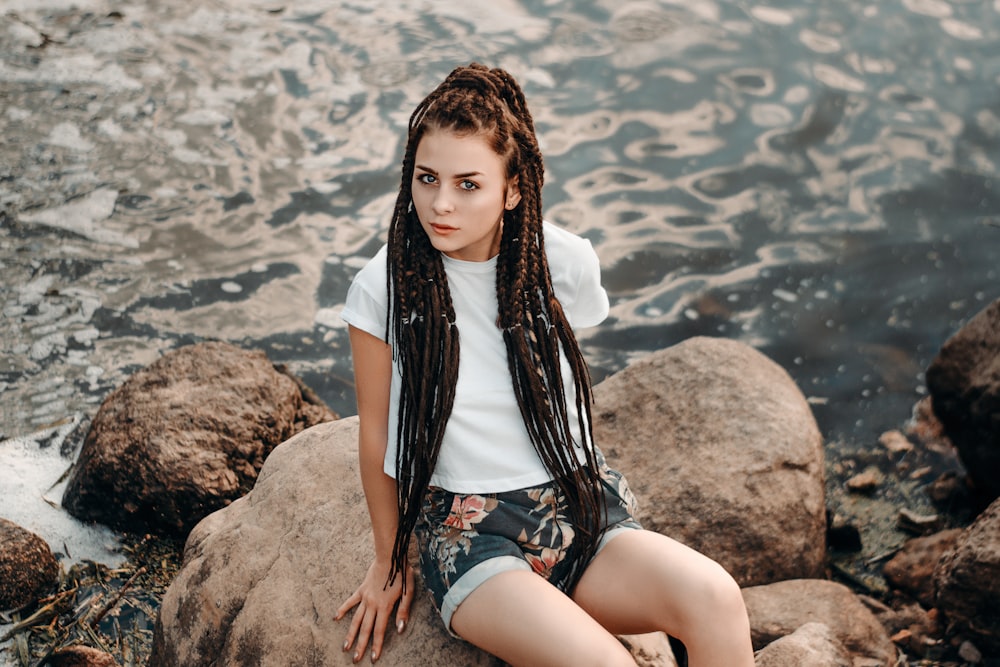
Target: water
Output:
[{"x": 818, "y": 180}]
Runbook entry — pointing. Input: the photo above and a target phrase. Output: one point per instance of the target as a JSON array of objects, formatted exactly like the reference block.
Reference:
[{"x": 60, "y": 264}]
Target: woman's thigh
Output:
[
  {"x": 523, "y": 619},
  {"x": 643, "y": 581}
]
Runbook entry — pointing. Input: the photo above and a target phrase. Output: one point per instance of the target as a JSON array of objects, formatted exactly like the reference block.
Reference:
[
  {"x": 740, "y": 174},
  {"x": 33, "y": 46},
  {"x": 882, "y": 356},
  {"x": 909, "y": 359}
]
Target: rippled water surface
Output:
[{"x": 816, "y": 179}]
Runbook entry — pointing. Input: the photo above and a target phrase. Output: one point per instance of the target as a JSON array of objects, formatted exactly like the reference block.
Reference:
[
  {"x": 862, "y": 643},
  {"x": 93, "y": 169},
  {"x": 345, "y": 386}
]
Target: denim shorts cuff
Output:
[
  {"x": 472, "y": 579},
  {"x": 614, "y": 532}
]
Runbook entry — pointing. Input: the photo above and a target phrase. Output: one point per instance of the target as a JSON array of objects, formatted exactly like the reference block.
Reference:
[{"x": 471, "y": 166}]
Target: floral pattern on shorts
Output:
[{"x": 457, "y": 531}]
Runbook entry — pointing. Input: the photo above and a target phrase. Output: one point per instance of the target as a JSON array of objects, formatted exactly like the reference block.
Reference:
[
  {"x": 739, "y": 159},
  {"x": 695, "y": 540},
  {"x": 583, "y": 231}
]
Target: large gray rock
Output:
[
  {"x": 781, "y": 608},
  {"x": 184, "y": 437},
  {"x": 723, "y": 453},
  {"x": 28, "y": 570},
  {"x": 964, "y": 385},
  {"x": 968, "y": 580},
  {"x": 263, "y": 577}
]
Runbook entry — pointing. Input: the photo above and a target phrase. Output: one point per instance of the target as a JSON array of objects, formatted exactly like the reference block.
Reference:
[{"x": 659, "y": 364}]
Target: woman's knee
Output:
[{"x": 718, "y": 597}]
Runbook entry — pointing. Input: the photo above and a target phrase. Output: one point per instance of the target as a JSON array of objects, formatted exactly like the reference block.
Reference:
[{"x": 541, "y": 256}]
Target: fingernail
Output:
[
  {"x": 347, "y": 644},
  {"x": 357, "y": 656},
  {"x": 374, "y": 657},
  {"x": 400, "y": 626}
]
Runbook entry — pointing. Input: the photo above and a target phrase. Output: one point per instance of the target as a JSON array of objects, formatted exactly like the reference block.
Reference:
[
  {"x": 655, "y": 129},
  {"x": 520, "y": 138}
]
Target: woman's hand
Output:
[{"x": 375, "y": 602}]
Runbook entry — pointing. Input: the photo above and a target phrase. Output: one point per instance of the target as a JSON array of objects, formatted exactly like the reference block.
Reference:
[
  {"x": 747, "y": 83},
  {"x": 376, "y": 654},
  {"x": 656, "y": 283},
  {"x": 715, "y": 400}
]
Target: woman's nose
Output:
[{"x": 442, "y": 203}]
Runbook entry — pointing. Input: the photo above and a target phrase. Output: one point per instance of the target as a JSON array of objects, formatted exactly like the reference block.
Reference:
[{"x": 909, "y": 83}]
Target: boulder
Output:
[
  {"x": 781, "y": 608},
  {"x": 262, "y": 578},
  {"x": 968, "y": 581},
  {"x": 812, "y": 644},
  {"x": 184, "y": 437},
  {"x": 80, "y": 656},
  {"x": 964, "y": 385},
  {"x": 28, "y": 570},
  {"x": 912, "y": 568},
  {"x": 723, "y": 453}
]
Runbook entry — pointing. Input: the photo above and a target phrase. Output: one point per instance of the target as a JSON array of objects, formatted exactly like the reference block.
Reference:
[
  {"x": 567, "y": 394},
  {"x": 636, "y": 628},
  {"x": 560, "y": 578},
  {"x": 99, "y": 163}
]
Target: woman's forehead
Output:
[{"x": 446, "y": 151}]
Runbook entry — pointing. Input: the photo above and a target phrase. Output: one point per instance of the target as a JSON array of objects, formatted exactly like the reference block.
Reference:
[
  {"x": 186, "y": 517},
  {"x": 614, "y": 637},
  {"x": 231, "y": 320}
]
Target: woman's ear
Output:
[{"x": 513, "y": 194}]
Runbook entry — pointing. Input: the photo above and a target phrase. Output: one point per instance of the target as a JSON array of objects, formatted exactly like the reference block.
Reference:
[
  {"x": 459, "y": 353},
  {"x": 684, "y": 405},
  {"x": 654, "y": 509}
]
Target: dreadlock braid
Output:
[{"x": 475, "y": 100}]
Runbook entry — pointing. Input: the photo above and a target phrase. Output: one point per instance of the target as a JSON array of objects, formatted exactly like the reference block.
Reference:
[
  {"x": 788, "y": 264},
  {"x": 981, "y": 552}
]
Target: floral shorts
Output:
[{"x": 464, "y": 539}]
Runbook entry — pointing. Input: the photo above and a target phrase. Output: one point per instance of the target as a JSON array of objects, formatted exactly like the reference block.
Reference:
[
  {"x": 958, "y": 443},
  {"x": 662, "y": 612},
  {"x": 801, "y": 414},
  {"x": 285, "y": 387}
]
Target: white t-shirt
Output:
[{"x": 486, "y": 447}]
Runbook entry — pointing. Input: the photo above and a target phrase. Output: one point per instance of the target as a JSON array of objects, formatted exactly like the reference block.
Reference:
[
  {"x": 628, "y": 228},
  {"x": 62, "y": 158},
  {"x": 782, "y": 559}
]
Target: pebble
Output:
[
  {"x": 895, "y": 442},
  {"x": 865, "y": 482}
]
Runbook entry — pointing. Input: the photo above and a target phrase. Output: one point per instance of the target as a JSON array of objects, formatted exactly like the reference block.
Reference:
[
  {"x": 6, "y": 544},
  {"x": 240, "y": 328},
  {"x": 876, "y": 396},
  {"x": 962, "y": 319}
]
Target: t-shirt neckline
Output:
[{"x": 466, "y": 266}]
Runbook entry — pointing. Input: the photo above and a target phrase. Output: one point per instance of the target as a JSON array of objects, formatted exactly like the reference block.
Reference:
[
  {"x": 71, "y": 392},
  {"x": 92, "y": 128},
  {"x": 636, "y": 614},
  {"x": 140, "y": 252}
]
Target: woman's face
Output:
[{"x": 460, "y": 190}]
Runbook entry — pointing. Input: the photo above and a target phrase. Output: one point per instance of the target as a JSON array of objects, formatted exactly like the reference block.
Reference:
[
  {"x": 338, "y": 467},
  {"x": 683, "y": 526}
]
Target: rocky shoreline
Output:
[{"x": 861, "y": 561}]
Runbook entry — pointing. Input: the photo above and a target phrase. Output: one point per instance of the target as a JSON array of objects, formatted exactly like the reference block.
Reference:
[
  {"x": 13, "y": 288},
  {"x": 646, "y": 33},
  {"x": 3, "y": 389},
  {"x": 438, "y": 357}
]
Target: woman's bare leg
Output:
[
  {"x": 643, "y": 581},
  {"x": 524, "y": 620}
]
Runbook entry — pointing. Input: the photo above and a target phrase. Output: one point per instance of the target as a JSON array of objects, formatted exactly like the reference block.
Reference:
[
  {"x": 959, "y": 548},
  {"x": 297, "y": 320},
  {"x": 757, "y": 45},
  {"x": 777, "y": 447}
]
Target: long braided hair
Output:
[{"x": 478, "y": 101}]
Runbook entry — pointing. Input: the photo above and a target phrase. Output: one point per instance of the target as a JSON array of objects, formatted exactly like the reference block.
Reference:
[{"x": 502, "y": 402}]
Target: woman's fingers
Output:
[
  {"x": 403, "y": 612},
  {"x": 367, "y": 621},
  {"x": 355, "y": 627},
  {"x": 348, "y": 604}
]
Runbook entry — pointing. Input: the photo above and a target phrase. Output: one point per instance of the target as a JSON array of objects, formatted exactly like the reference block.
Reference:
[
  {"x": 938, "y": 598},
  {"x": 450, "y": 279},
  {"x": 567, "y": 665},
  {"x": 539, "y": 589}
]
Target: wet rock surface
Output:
[{"x": 184, "y": 437}]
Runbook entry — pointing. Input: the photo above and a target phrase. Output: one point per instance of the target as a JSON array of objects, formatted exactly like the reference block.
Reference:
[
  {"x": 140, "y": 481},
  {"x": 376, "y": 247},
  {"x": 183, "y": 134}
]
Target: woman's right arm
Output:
[{"x": 375, "y": 600}]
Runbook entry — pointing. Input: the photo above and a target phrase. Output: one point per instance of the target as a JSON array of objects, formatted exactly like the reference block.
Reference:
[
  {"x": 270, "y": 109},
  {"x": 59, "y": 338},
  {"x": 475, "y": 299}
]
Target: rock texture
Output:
[
  {"x": 262, "y": 578},
  {"x": 184, "y": 437},
  {"x": 812, "y": 644},
  {"x": 964, "y": 385},
  {"x": 779, "y": 609},
  {"x": 723, "y": 453},
  {"x": 80, "y": 656},
  {"x": 912, "y": 569},
  {"x": 28, "y": 570},
  {"x": 968, "y": 581}
]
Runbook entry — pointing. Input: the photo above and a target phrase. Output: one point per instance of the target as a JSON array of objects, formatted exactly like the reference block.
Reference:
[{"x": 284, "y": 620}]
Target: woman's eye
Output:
[
  {"x": 427, "y": 178},
  {"x": 467, "y": 185}
]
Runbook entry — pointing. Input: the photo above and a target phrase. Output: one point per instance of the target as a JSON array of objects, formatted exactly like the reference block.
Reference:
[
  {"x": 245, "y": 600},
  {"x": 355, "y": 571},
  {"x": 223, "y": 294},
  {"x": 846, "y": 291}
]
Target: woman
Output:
[{"x": 527, "y": 539}]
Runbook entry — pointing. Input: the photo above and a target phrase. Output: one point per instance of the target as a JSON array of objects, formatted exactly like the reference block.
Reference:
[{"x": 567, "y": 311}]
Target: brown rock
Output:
[
  {"x": 964, "y": 385},
  {"x": 912, "y": 568},
  {"x": 812, "y": 644},
  {"x": 895, "y": 442},
  {"x": 865, "y": 482},
  {"x": 80, "y": 656},
  {"x": 723, "y": 453},
  {"x": 184, "y": 437},
  {"x": 968, "y": 580},
  {"x": 779, "y": 609},
  {"x": 263, "y": 577},
  {"x": 28, "y": 570},
  {"x": 650, "y": 650}
]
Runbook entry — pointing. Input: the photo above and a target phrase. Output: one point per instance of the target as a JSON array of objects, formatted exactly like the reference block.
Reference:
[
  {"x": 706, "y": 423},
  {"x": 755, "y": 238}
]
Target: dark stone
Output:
[
  {"x": 968, "y": 581},
  {"x": 964, "y": 384}
]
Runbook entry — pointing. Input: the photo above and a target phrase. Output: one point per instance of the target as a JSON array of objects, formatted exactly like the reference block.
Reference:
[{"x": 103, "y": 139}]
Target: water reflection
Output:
[{"x": 817, "y": 180}]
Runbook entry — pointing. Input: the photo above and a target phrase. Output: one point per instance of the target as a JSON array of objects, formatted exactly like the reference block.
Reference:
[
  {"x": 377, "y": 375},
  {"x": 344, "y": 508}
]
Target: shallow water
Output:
[{"x": 818, "y": 180}]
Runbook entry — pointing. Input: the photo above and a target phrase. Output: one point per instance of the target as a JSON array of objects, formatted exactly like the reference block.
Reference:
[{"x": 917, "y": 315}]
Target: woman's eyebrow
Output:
[{"x": 433, "y": 172}]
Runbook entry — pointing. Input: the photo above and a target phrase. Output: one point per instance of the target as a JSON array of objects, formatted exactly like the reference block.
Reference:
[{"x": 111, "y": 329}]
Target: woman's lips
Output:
[{"x": 443, "y": 230}]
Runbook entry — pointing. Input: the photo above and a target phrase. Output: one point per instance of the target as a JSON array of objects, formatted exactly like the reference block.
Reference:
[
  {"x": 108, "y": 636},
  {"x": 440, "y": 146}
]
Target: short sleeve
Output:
[
  {"x": 576, "y": 276},
  {"x": 367, "y": 303}
]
